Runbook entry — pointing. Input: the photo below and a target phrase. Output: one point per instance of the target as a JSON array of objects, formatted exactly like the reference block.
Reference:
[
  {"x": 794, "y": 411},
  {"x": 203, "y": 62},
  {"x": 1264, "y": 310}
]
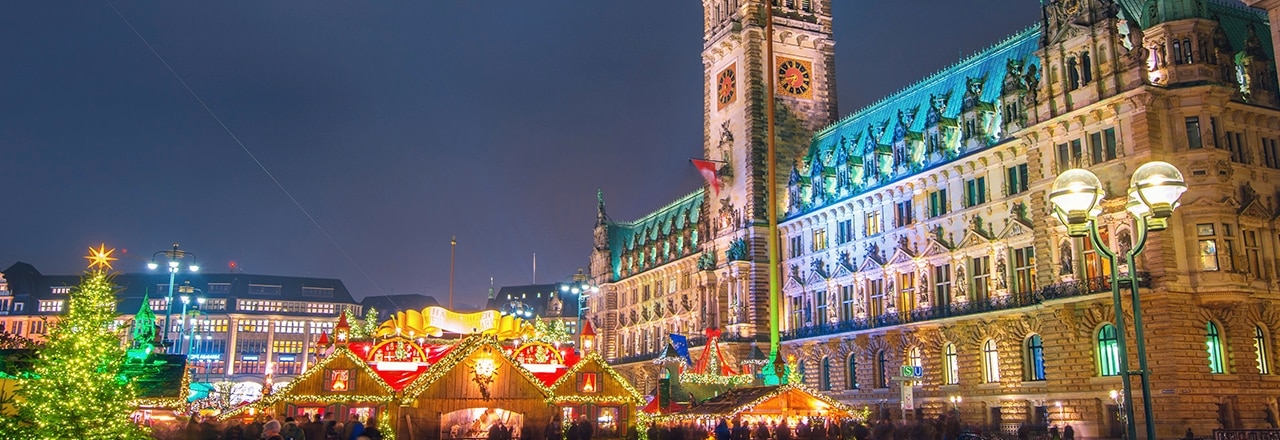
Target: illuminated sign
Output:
[
  {"x": 539, "y": 357},
  {"x": 435, "y": 321},
  {"x": 287, "y": 358},
  {"x": 249, "y": 357},
  {"x": 397, "y": 354},
  {"x": 337, "y": 380},
  {"x": 589, "y": 383}
]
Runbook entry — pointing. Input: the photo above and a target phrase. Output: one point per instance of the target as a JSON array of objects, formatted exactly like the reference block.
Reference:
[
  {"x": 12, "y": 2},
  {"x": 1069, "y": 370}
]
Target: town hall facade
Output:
[{"x": 916, "y": 231}]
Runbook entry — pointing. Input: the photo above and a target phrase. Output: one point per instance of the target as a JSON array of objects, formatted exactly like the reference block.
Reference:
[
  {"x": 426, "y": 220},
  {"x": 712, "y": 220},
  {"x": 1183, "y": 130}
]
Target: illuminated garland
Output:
[
  {"x": 332, "y": 398},
  {"x": 340, "y": 351},
  {"x": 463, "y": 350},
  {"x": 834, "y": 404},
  {"x": 716, "y": 379},
  {"x": 177, "y": 404},
  {"x": 632, "y": 395}
]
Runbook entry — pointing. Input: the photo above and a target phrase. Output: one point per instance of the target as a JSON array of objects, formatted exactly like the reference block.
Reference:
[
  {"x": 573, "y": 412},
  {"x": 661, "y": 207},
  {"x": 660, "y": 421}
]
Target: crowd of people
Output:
[
  {"x": 945, "y": 427},
  {"x": 266, "y": 428}
]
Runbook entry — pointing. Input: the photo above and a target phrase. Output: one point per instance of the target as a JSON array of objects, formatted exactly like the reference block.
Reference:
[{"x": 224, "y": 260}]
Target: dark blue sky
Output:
[{"x": 396, "y": 124}]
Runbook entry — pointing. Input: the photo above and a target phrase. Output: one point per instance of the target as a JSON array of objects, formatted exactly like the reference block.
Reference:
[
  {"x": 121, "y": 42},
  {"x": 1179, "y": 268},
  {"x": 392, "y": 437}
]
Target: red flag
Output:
[{"x": 708, "y": 170}]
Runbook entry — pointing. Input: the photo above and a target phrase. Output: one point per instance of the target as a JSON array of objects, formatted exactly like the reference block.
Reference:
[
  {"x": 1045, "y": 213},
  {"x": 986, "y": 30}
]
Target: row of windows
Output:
[
  {"x": 1102, "y": 148},
  {"x": 1217, "y": 249},
  {"x": 1235, "y": 143},
  {"x": 1107, "y": 351},
  {"x": 1017, "y": 181},
  {"x": 878, "y": 299},
  {"x": 256, "y": 305},
  {"x": 51, "y": 305}
]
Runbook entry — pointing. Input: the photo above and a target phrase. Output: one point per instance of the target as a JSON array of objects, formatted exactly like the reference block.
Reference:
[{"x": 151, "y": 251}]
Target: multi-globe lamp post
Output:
[
  {"x": 581, "y": 286},
  {"x": 1154, "y": 190},
  {"x": 173, "y": 260}
]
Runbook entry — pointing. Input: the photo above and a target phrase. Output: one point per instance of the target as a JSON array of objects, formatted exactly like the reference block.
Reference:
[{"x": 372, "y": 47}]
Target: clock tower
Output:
[{"x": 736, "y": 79}]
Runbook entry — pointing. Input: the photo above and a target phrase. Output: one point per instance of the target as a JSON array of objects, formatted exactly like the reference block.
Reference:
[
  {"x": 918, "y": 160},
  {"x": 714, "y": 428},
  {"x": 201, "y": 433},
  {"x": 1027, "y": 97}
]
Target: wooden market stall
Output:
[
  {"x": 767, "y": 404},
  {"x": 342, "y": 384},
  {"x": 471, "y": 389},
  {"x": 593, "y": 389}
]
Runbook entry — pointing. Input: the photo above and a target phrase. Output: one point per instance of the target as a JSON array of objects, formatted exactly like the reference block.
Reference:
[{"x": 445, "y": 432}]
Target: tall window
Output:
[
  {"x": 1016, "y": 179},
  {"x": 824, "y": 381},
  {"x": 1024, "y": 275},
  {"x": 876, "y": 289},
  {"x": 819, "y": 239},
  {"x": 981, "y": 269},
  {"x": 795, "y": 247},
  {"x": 851, "y": 372},
  {"x": 882, "y": 379},
  {"x": 906, "y": 292},
  {"x": 844, "y": 231},
  {"x": 938, "y": 202},
  {"x": 797, "y": 312},
  {"x": 1252, "y": 253},
  {"x": 846, "y": 303},
  {"x": 942, "y": 284},
  {"x": 904, "y": 214},
  {"x": 873, "y": 226},
  {"x": 990, "y": 362},
  {"x": 1034, "y": 358},
  {"x": 975, "y": 192},
  {"x": 1208, "y": 247},
  {"x": 1213, "y": 343},
  {"x": 1193, "y": 133},
  {"x": 1260, "y": 347},
  {"x": 950, "y": 365},
  {"x": 821, "y": 299},
  {"x": 1108, "y": 351}
]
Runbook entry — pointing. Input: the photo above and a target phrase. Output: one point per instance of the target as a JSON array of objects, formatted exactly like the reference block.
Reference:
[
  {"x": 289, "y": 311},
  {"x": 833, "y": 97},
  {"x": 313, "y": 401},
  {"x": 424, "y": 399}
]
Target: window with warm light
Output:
[
  {"x": 951, "y": 365},
  {"x": 589, "y": 383},
  {"x": 915, "y": 359},
  {"x": 1260, "y": 349},
  {"x": 53, "y": 306},
  {"x": 873, "y": 225},
  {"x": 1213, "y": 344},
  {"x": 819, "y": 239},
  {"x": 990, "y": 362}
]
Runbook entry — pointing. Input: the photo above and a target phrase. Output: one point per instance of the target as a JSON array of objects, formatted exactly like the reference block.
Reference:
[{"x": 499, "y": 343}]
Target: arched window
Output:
[
  {"x": 824, "y": 381},
  {"x": 1213, "y": 344},
  {"x": 1260, "y": 347},
  {"x": 990, "y": 362},
  {"x": 882, "y": 380},
  {"x": 915, "y": 360},
  {"x": 851, "y": 371},
  {"x": 950, "y": 365},
  {"x": 1108, "y": 351},
  {"x": 1034, "y": 358}
]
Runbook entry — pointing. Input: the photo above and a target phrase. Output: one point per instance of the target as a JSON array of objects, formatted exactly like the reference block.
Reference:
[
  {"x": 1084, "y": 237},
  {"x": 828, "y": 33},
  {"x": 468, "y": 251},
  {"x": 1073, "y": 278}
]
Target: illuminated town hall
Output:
[{"x": 918, "y": 231}]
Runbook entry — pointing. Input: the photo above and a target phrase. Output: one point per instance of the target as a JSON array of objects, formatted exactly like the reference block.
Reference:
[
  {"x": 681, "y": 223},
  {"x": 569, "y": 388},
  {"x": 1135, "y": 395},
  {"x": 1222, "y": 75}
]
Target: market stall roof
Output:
[
  {"x": 462, "y": 351},
  {"x": 790, "y": 399},
  {"x": 612, "y": 388}
]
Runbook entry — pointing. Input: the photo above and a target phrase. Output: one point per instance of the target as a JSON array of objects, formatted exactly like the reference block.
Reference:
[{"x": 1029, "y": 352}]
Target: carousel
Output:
[{"x": 495, "y": 374}]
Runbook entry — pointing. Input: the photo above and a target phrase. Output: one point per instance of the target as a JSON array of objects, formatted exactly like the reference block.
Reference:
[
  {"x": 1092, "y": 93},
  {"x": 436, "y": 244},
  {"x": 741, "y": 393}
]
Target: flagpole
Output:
[{"x": 775, "y": 300}]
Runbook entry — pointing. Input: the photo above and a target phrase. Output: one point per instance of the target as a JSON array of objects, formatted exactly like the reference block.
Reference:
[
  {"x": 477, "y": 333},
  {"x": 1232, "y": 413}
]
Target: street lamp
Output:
[
  {"x": 955, "y": 404},
  {"x": 580, "y": 284},
  {"x": 1154, "y": 190},
  {"x": 1062, "y": 416},
  {"x": 173, "y": 260},
  {"x": 193, "y": 333}
]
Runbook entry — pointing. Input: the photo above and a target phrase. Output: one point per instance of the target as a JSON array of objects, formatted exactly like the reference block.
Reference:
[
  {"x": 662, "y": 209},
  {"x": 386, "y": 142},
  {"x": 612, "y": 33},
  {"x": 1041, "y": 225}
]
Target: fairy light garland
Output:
[
  {"x": 468, "y": 346},
  {"x": 632, "y": 395},
  {"x": 834, "y": 404}
]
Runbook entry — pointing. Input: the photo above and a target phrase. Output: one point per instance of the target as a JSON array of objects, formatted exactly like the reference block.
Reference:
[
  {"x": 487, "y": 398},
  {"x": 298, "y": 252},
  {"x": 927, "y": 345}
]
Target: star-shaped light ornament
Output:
[{"x": 100, "y": 258}]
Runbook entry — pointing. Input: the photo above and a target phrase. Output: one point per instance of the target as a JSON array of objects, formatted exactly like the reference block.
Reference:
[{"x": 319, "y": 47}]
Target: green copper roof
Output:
[
  {"x": 1236, "y": 21},
  {"x": 648, "y": 239},
  {"x": 908, "y": 116}
]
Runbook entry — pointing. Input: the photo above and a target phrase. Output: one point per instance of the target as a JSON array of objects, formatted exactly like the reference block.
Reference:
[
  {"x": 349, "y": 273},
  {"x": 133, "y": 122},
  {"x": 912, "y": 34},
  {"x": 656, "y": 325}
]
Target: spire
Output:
[
  {"x": 491, "y": 292},
  {"x": 342, "y": 332},
  {"x": 600, "y": 215}
]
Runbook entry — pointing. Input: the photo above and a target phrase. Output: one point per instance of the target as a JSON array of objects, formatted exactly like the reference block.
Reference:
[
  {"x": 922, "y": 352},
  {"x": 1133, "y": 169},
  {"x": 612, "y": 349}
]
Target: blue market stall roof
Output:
[
  {"x": 665, "y": 235},
  {"x": 28, "y": 285}
]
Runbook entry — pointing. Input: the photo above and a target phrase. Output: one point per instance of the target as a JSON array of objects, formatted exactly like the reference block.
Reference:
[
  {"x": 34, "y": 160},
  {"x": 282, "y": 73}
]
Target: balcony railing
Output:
[
  {"x": 1012, "y": 301},
  {"x": 1066, "y": 289}
]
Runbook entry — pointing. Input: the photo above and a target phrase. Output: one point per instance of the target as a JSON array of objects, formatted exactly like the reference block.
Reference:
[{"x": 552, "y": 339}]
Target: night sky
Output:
[{"x": 395, "y": 124}]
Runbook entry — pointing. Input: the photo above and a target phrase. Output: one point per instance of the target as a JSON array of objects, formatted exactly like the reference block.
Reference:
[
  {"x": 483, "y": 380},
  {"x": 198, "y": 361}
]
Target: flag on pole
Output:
[{"x": 708, "y": 169}]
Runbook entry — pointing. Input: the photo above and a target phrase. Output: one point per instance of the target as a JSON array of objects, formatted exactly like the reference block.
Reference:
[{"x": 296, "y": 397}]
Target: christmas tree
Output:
[{"x": 77, "y": 389}]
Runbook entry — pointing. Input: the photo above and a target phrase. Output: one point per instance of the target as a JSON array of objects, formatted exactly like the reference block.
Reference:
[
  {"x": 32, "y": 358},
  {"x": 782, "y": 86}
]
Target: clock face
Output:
[
  {"x": 795, "y": 78},
  {"x": 726, "y": 86}
]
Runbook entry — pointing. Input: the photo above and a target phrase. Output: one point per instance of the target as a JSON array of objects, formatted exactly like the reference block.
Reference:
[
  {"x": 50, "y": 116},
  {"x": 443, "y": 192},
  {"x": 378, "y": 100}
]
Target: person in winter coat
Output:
[
  {"x": 271, "y": 430},
  {"x": 291, "y": 431},
  {"x": 722, "y": 430}
]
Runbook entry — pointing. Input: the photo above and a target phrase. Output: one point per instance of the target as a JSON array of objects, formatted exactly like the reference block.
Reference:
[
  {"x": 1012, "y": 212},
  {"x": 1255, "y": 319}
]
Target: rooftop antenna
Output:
[
  {"x": 535, "y": 268},
  {"x": 453, "y": 244},
  {"x": 491, "y": 288}
]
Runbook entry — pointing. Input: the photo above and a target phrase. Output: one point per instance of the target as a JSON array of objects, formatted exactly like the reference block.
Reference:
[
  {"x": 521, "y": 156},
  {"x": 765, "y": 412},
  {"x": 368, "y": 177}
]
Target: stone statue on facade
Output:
[
  {"x": 1002, "y": 274},
  {"x": 1064, "y": 258}
]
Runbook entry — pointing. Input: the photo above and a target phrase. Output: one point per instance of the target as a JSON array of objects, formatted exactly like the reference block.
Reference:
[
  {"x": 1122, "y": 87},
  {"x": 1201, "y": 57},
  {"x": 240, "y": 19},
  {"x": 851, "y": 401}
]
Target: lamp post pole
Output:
[
  {"x": 1154, "y": 190},
  {"x": 174, "y": 259}
]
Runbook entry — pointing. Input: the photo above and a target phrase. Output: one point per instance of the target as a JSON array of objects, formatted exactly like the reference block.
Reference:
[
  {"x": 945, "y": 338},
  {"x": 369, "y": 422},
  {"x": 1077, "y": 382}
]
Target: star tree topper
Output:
[{"x": 100, "y": 258}]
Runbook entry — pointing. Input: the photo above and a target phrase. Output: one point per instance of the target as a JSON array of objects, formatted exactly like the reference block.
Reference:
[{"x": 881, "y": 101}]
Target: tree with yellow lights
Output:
[{"x": 77, "y": 389}]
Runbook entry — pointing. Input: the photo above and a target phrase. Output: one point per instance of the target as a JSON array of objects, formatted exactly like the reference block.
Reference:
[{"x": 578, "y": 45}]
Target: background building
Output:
[
  {"x": 916, "y": 230},
  {"x": 239, "y": 323},
  {"x": 550, "y": 302}
]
